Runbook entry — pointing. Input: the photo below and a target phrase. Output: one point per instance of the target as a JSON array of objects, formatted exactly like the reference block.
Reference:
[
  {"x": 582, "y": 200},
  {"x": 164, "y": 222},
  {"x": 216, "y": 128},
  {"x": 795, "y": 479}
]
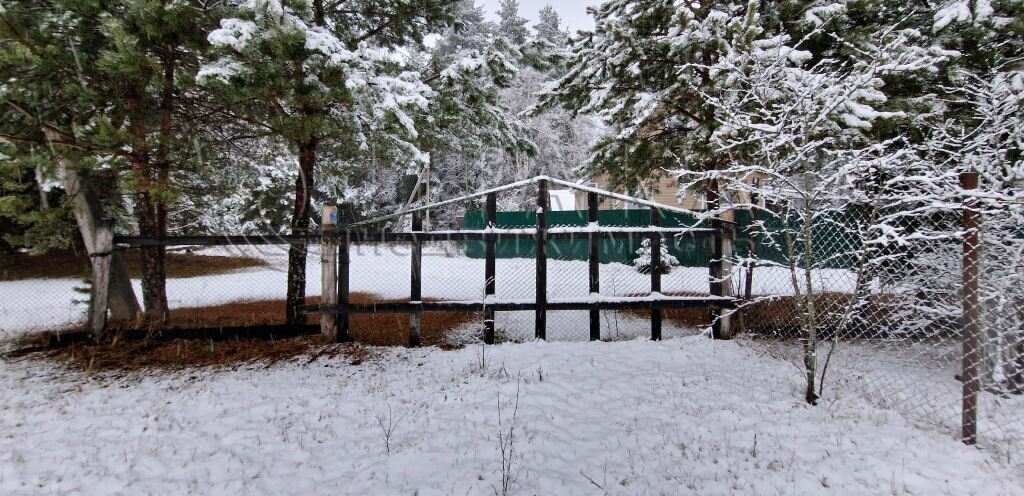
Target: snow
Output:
[
  {"x": 919, "y": 381},
  {"x": 957, "y": 11},
  {"x": 234, "y": 33},
  {"x": 819, "y": 14},
  {"x": 681, "y": 416}
]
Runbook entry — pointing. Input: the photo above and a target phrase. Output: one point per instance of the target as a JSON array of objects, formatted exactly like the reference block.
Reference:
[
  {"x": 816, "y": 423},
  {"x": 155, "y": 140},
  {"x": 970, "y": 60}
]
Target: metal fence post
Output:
[
  {"x": 99, "y": 292},
  {"x": 971, "y": 374}
]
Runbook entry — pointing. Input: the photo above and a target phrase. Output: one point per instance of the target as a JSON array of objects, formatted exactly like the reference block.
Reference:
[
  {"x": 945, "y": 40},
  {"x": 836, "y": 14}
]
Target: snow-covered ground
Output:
[
  {"x": 682, "y": 416},
  {"x": 919, "y": 381},
  {"x": 40, "y": 304}
]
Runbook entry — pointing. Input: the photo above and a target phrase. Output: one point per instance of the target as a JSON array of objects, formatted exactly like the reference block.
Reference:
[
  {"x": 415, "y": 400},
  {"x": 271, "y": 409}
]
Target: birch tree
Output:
[{"x": 805, "y": 129}]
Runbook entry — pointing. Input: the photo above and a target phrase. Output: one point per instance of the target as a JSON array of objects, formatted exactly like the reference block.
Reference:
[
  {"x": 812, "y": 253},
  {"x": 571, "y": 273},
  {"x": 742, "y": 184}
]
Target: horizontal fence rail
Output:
[
  {"x": 665, "y": 302},
  {"x": 410, "y": 237}
]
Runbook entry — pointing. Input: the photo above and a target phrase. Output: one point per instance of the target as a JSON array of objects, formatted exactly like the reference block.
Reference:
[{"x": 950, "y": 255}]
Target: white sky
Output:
[{"x": 573, "y": 12}]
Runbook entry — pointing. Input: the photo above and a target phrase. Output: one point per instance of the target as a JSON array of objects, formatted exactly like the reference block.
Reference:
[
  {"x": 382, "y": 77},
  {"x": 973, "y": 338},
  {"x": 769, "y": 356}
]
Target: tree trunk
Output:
[
  {"x": 163, "y": 167},
  {"x": 86, "y": 206},
  {"x": 154, "y": 276},
  {"x": 300, "y": 225},
  {"x": 810, "y": 317},
  {"x": 87, "y": 209}
]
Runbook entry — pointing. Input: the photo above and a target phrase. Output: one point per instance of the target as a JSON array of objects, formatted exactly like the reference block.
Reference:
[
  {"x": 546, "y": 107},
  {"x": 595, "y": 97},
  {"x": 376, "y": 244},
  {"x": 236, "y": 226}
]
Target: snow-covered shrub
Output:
[{"x": 642, "y": 262}]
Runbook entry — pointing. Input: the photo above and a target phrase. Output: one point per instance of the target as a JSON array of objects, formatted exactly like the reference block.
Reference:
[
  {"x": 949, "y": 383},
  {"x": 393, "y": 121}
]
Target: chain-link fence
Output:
[
  {"x": 204, "y": 286},
  {"x": 887, "y": 316},
  {"x": 922, "y": 313}
]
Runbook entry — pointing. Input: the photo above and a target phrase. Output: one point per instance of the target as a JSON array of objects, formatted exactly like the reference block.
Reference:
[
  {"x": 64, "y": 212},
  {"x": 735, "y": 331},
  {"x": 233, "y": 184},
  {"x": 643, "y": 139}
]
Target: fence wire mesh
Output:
[{"x": 886, "y": 319}]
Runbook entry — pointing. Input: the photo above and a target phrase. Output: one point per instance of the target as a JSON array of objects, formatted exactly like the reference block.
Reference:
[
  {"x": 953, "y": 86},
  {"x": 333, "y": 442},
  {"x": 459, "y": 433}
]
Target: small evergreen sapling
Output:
[{"x": 642, "y": 263}]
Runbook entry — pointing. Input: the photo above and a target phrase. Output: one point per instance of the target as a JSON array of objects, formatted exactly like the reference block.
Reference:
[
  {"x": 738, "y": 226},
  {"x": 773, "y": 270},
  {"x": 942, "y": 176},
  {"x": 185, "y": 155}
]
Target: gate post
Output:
[
  {"x": 343, "y": 288},
  {"x": 328, "y": 270},
  {"x": 971, "y": 373},
  {"x": 594, "y": 264},
  {"x": 99, "y": 292},
  {"x": 415, "y": 292},
  {"x": 718, "y": 267},
  {"x": 543, "y": 204},
  {"x": 655, "y": 275},
  {"x": 721, "y": 325},
  {"x": 489, "y": 267}
]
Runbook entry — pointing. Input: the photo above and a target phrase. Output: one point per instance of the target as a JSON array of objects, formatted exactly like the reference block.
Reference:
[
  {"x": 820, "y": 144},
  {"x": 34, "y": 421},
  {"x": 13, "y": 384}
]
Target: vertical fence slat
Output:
[
  {"x": 415, "y": 291},
  {"x": 655, "y": 275},
  {"x": 489, "y": 267},
  {"x": 748, "y": 281},
  {"x": 328, "y": 270},
  {"x": 540, "y": 318},
  {"x": 594, "y": 253},
  {"x": 99, "y": 293},
  {"x": 344, "y": 262},
  {"x": 971, "y": 373}
]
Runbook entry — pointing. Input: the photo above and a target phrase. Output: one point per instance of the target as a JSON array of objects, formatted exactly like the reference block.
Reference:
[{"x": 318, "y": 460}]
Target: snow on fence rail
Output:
[{"x": 335, "y": 311}]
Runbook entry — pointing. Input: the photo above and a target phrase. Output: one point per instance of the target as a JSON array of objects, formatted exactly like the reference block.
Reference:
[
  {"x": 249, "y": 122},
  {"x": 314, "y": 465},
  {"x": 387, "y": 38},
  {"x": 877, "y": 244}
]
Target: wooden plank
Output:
[
  {"x": 99, "y": 292},
  {"x": 261, "y": 240},
  {"x": 416, "y": 281},
  {"x": 721, "y": 250},
  {"x": 397, "y": 237},
  {"x": 490, "y": 266},
  {"x": 594, "y": 263},
  {"x": 655, "y": 277},
  {"x": 971, "y": 373},
  {"x": 505, "y": 306},
  {"x": 748, "y": 281},
  {"x": 543, "y": 206},
  {"x": 329, "y": 270},
  {"x": 344, "y": 262}
]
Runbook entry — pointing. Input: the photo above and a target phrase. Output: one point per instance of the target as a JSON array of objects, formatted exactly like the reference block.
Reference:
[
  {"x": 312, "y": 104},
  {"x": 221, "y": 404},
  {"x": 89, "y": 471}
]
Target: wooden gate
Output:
[{"x": 336, "y": 307}]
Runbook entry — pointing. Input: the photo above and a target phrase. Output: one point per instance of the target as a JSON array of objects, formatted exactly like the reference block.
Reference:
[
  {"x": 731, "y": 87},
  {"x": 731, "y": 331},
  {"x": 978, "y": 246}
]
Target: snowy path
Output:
[
  {"x": 41, "y": 304},
  {"x": 681, "y": 416}
]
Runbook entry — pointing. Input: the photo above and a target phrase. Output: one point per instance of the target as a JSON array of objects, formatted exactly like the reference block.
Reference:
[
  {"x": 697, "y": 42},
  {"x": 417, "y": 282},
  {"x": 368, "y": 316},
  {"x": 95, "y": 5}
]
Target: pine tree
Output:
[
  {"x": 314, "y": 74},
  {"x": 470, "y": 67},
  {"x": 642, "y": 262},
  {"x": 640, "y": 72},
  {"x": 511, "y": 25},
  {"x": 100, "y": 84},
  {"x": 549, "y": 27}
]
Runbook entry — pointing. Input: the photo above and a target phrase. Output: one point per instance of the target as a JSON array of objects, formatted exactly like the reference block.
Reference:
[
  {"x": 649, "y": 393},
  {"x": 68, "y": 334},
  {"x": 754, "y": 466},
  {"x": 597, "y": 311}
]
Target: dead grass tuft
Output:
[{"x": 778, "y": 315}]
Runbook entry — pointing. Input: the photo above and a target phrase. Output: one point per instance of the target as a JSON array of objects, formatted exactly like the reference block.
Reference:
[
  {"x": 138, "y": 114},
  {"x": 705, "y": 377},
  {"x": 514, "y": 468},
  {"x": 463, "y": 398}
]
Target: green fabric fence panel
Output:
[
  {"x": 834, "y": 237},
  {"x": 689, "y": 251}
]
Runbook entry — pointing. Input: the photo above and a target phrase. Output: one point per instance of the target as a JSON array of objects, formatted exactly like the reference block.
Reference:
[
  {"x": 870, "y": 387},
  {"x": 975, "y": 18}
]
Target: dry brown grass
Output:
[
  {"x": 381, "y": 329},
  {"x": 158, "y": 349},
  {"x": 778, "y": 314},
  {"x": 695, "y": 317},
  {"x": 68, "y": 263},
  {"x": 128, "y": 355}
]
